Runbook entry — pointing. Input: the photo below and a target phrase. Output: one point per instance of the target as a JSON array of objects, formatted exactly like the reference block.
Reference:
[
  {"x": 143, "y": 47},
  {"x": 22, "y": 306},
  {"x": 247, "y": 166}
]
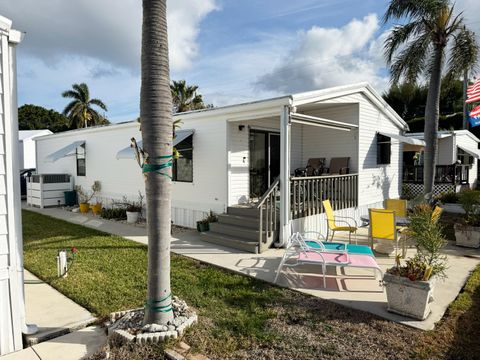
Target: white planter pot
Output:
[
  {"x": 409, "y": 298},
  {"x": 453, "y": 208},
  {"x": 467, "y": 236},
  {"x": 132, "y": 217}
]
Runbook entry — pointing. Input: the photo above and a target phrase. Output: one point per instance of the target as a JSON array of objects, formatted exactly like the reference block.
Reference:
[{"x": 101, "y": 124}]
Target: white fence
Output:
[{"x": 48, "y": 189}]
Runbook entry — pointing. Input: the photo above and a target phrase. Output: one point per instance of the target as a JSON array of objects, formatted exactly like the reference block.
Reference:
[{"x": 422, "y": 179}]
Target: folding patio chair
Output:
[
  {"x": 314, "y": 167},
  {"x": 338, "y": 166},
  {"x": 296, "y": 251},
  {"x": 400, "y": 208},
  {"x": 333, "y": 220},
  {"x": 383, "y": 227}
]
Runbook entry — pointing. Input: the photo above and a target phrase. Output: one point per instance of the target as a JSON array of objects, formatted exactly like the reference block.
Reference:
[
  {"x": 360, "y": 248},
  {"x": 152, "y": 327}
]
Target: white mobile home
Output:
[
  {"x": 12, "y": 312},
  {"x": 241, "y": 160},
  {"x": 457, "y": 163}
]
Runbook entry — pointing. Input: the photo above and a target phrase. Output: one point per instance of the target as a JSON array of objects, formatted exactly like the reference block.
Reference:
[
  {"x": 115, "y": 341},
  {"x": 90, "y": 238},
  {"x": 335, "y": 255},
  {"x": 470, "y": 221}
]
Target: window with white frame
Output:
[{"x": 183, "y": 166}]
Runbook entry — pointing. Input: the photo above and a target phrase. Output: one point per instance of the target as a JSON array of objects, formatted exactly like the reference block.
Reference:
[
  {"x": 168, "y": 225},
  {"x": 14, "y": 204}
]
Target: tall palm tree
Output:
[
  {"x": 80, "y": 110},
  {"x": 185, "y": 97},
  {"x": 431, "y": 39},
  {"x": 157, "y": 135}
]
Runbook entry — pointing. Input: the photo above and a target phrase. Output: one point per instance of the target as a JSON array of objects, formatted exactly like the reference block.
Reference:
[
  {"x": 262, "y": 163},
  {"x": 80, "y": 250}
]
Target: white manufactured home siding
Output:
[
  {"x": 470, "y": 144},
  {"x": 447, "y": 151},
  {"x": 376, "y": 182},
  {"x": 11, "y": 313},
  {"x": 118, "y": 178}
]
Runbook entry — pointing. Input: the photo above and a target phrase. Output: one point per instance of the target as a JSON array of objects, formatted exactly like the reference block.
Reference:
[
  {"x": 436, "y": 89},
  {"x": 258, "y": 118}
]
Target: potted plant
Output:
[
  {"x": 204, "y": 224},
  {"x": 85, "y": 197},
  {"x": 410, "y": 286},
  {"x": 450, "y": 202},
  {"x": 467, "y": 231},
  {"x": 134, "y": 209}
]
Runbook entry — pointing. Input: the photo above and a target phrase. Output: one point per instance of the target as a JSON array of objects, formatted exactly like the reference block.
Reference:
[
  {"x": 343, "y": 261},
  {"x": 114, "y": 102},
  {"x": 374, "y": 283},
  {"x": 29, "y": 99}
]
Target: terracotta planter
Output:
[
  {"x": 132, "y": 217},
  {"x": 84, "y": 208},
  {"x": 96, "y": 208},
  {"x": 409, "y": 298},
  {"x": 467, "y": 236}
]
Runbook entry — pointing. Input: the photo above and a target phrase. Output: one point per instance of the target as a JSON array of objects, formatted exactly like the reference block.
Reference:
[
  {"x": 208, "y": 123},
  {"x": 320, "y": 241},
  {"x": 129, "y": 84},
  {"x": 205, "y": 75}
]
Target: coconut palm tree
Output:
[
  {"x": 185, "y": 97},
  {"x": 432, "y": 38},
  {"x": 157, "y": 135},
  {"x": 80, "y": 110}
]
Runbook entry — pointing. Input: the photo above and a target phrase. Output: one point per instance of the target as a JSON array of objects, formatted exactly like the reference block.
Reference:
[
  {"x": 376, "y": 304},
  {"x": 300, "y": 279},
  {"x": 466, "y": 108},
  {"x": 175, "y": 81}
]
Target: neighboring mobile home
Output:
[
  {"x": 27, "y": 155},
  {"x": 457, "y": 163},
  {"x": 237, "y": 157},
  {"x": 12, "y": 310}
]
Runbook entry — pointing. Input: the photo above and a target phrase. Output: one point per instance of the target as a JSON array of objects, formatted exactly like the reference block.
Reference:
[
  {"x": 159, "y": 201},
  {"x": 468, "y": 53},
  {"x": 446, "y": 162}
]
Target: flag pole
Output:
[{"x": 465, "y": 106}]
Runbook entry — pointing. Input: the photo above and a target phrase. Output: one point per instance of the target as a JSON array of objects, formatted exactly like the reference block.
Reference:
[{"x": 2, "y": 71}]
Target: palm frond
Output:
[
  {"x": 69, "y": 107},
  {"x": 410, "y": 62},
  {"x": 463, "y": 53},
  {"x": 70, "y": 94},
  {"x": 399, "y": 35},
  {"x": 414, "y": 9},
  {"x": 98, "y": 103}
]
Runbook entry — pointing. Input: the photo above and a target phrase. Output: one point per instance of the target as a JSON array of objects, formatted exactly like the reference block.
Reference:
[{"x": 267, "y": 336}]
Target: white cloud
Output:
[
  {"x": 106, "y": 30},
  {"x": 324, "y": 57}
]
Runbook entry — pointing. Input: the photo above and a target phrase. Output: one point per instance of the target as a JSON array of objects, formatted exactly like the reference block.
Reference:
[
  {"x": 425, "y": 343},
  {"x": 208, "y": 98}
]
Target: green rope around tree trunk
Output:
[
  {"x": 152, "y": 304},
  {"x": 158, "y": 168}
]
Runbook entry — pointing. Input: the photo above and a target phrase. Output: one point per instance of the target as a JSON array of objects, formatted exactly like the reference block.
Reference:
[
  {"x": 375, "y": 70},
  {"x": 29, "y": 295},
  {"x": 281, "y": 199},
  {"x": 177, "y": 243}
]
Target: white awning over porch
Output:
[
  {"x": 65, "y": 151},
  {"x": 127, "y": 153},
  {"x": 469, "y": 151}
]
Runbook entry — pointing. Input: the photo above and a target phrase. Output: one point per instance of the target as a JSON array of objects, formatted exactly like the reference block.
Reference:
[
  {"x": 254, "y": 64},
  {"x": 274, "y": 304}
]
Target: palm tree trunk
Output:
[
  {"x": 156, "y": 124},
  {"x": 432, "y": 113}
]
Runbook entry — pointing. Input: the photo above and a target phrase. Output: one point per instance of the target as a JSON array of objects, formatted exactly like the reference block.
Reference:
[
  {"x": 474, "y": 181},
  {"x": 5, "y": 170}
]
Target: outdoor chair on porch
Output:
[
  {"x": 333, "y": 221},
  {"x": 315, "y": 167},
  {"x": 303, "y": 255},
  {"x": 338, "y": 166},
  {"x": 399, "y": 206}
]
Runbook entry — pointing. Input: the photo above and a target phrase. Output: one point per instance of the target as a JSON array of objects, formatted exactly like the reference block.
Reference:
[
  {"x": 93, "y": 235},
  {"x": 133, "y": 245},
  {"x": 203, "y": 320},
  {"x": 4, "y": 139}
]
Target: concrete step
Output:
[
  {"x": 243, "y": 211},
  {"x": 229, "y": 241},
  {"x": 235, "y": 231},
  {"x": 238, "y": 220}
]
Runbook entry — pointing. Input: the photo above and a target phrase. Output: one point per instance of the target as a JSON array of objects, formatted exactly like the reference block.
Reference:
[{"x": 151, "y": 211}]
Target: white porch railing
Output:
[{"x": 307, "y": 193}]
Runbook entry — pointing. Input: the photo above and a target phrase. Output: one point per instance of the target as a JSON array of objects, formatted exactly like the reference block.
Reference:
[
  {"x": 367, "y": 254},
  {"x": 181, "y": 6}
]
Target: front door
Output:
[{"x": 264, "y": 160}]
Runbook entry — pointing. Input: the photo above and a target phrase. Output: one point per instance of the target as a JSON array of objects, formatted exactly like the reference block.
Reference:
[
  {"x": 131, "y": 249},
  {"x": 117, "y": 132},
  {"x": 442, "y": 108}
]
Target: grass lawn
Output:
[{"x": 239, "y": 317}]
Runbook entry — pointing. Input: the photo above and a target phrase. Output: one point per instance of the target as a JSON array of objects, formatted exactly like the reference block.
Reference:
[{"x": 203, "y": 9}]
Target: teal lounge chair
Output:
[{"x": 316, "y": 241}]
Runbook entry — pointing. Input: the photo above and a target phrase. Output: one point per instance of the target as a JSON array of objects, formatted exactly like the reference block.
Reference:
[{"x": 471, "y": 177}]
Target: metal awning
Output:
[
  {"x": 404, "y": 139},
  {"x": 321, "y": 122},
  {"x": 127, "y": 153},
  {"x": 469, "y": 151},
  {"x": 65, "y": 151}
]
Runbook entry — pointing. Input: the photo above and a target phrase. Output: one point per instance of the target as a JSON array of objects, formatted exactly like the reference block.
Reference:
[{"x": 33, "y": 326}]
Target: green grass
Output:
[{"x": 239, "y": 317}]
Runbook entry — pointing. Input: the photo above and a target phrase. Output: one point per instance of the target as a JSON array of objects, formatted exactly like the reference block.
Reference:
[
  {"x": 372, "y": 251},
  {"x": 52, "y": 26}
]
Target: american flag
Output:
[
  {"x": 475, "y": 112},
  {"x": 473, "y": 92}
]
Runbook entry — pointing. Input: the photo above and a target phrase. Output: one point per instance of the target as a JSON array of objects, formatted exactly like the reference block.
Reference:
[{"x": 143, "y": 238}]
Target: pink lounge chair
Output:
[{"x": 297, "y": 251}]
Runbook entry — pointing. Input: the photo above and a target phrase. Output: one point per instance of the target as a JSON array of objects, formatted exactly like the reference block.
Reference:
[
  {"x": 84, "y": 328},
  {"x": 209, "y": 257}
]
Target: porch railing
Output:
[
  {"x": 307, "y": 193},
  {"x": 268, "y": 221},
  {"x": 444, "y": 174}
]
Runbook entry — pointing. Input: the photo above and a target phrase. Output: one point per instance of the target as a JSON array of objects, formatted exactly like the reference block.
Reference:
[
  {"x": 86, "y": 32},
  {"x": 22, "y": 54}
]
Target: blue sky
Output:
[{"x": 235, "y": 51}]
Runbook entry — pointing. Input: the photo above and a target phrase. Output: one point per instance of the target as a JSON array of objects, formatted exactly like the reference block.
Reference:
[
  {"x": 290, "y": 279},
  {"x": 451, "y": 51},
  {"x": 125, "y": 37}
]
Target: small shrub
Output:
[
  {"x": 470, "y": 201},
  {"x": 448, "y": 197},
  {"x": 114, "y": 213}
]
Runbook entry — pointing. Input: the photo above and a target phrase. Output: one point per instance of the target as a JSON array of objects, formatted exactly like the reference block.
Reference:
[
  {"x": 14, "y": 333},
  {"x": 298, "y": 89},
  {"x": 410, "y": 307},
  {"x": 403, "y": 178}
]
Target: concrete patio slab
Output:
[
  {"x": 25, "y": 354},
  {"x": 53, "y": 313},
  {"x": 354, "y": 288}
]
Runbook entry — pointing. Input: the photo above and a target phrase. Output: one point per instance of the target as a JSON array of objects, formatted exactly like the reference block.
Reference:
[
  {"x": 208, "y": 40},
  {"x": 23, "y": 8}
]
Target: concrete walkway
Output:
[
  {"x": 356, "y": 289},
  {"x": 62, "y": 332}
]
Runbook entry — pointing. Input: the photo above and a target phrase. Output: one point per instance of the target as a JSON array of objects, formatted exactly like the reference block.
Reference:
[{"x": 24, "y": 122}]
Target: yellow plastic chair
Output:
[
  {"x": 383, "y": 227},
  {"x": 397, "y": 205},
  {"x": 332, "y": 222},
  {"x": 400, "y": 208},
  {"x": 437, "y": 212}
]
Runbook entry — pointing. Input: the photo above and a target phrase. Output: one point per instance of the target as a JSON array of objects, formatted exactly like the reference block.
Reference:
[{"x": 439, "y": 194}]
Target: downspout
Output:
[{"x": 285, "y": 150}]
